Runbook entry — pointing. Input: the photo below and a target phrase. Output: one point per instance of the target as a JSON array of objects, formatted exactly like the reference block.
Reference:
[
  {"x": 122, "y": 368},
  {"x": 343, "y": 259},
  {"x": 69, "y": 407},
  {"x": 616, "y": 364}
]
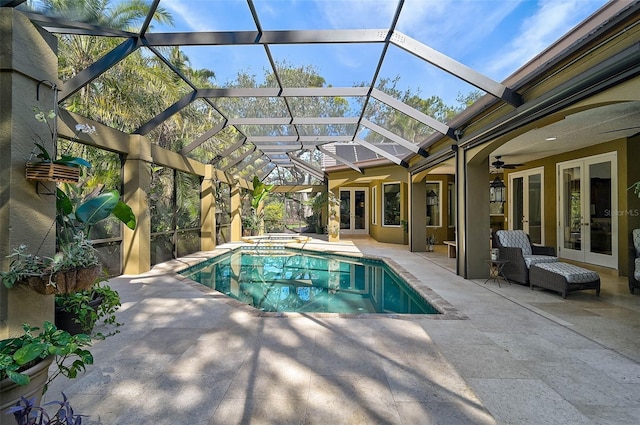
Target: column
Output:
[
  {"x": 236, "y": 212},
  {"x": 418, "y": 216},
  {"x": 27, "y": 212},
  {"x": 472, "y": 175},
  {"x": 136, "y": 246},
  {"x": 208, "y": 210}
]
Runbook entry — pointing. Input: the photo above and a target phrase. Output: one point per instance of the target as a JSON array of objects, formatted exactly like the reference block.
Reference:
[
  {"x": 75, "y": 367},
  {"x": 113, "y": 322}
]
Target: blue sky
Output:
[{"x": 491, "y": 36}]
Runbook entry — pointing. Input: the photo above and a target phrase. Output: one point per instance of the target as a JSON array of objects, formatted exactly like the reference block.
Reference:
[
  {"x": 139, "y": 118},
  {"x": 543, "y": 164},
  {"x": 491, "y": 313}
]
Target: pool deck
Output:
[{"x": 510, "y": 356}]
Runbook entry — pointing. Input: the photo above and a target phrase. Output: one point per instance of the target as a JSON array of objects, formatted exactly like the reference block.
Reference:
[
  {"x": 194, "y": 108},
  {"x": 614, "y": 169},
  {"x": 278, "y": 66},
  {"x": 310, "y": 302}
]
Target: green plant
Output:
[
  {"x": 260, "y": 192},
  {"x": 20, "y": 353},
  {"x": 22, "y": 266},
  {"x": 75, "y": 215},
  {"x": 274, "y": 216},
  {"x": 255, "y": 220},
  {"x": 78, "y": 254},
  {"x": 79, "y": 305},
  {"x": 75, "y": 218},
  {"x": 44, "y": 155}
]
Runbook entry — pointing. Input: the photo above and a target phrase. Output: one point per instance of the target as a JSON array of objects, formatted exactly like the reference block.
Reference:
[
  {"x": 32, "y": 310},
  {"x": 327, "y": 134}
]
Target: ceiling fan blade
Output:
[{"x": 509, "y": 166}]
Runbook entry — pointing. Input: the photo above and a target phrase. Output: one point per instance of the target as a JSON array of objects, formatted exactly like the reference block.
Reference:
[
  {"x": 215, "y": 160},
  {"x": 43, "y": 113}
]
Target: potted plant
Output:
[
  {"x": 78, "y": 312},
  {"x": 73, "y": 268},
  {"x": 25, "y": 361},
  {"x": 250, "y": 224},
  {"x": 47, "y": 167}
]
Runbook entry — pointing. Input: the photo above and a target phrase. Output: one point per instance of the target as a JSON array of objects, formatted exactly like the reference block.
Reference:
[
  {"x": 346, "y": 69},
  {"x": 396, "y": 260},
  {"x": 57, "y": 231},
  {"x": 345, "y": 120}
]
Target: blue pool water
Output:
[{"x": 284, "y": 280}]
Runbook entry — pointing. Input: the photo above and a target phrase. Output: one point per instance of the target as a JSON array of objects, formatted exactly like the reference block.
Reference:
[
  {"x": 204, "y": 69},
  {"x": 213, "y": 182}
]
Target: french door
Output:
[
  {"x": 526, "y": 203},
  {"x": 353, "y": 210},
  {"x": 588, "y": 221}
]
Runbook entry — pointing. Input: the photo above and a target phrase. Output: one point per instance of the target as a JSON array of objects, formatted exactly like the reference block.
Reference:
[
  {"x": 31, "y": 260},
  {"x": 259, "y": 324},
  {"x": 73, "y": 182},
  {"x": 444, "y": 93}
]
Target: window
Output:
[
  {"x": 391, "y": 204},
  {"x": 374, "y": 205},
  {"x": 433, "y": 204}
]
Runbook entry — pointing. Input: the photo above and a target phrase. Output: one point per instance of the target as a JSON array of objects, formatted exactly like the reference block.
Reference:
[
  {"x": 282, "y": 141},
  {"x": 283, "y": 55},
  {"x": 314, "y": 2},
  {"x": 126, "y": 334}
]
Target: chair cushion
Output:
[
  {"x": 572, "y": 273},
  {"x": 529, "y": 260},
  {"x": 636, "y": 272},
  {"x": 515, "y": 239},
  {"x": 636, "y": 241}
]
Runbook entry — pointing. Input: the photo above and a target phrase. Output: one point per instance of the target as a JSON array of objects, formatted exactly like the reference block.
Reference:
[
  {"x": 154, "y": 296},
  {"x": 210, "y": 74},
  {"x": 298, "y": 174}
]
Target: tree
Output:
[{"x": 399, "y": 123}]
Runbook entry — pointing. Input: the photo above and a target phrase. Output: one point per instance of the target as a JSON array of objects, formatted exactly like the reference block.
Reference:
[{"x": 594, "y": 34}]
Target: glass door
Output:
[
  {"x": 571, "y": 217},
  {"x": 587, "y": 192},
  {"x": 353, "y": 210},
  {"x": 527, "y": 203}
]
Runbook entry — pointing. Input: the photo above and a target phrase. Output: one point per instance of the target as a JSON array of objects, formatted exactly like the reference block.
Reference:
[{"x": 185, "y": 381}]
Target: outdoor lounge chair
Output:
[
  {"x": 516, "y": 246},
  {"x": 634, "y": 260}
]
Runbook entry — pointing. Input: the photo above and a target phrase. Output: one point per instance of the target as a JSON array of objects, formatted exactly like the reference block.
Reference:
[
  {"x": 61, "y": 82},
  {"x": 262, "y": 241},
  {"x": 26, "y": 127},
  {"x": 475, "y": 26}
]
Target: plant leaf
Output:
[
  {"x": 44, "y": 154},
  {"x": 18, "y": 378},
  {"x": 63, "y": 202},
  {"x": 29, "y": 352},
  {"x": 98, "y": 208},
  {"x": 73, "y": 161},
  {"x": 125, "y": 214}
]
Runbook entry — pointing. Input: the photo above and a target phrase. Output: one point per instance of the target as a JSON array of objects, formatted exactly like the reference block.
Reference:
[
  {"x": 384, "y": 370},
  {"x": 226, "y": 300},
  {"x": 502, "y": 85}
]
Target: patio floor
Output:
[{"x": 188, "y": 356}]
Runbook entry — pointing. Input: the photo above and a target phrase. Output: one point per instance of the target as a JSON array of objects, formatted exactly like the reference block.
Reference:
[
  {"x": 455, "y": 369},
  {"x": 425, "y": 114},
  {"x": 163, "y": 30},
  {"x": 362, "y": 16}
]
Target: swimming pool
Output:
[{"x": 293, "y": 280}]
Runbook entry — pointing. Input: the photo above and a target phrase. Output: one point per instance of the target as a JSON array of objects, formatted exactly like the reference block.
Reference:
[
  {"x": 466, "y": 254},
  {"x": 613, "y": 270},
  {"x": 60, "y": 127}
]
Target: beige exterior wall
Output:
[
  {"x": 626, "y": 172},
  {"x": 376, "y": 177}
]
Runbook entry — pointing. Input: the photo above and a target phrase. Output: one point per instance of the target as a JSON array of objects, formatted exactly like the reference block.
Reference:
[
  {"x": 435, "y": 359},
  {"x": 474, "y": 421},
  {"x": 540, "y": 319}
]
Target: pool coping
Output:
[{"x": 172, "y": 268}]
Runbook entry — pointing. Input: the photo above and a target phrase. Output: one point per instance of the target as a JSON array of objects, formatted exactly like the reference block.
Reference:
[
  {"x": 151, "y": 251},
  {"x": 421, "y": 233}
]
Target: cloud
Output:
[
  {"x": 550, "y": 21},
  {"x": 453, "y": 27},
  {"x": 185, "y": 12},
  {"x": 351, "y": 14}
]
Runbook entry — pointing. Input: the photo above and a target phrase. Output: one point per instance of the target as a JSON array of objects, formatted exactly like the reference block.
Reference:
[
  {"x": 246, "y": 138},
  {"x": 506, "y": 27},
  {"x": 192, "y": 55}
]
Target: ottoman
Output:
[{"x": 563, "y": 278}]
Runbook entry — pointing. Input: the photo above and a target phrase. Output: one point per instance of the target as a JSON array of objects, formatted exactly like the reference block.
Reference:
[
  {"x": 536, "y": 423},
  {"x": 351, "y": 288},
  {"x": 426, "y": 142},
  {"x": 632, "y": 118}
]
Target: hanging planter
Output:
[
  {"x": 74, "y": 268},
  {"x": 62, "y": 282},
  {"x": 66, "y": 169},
  {"x": 52, "y": 172}
]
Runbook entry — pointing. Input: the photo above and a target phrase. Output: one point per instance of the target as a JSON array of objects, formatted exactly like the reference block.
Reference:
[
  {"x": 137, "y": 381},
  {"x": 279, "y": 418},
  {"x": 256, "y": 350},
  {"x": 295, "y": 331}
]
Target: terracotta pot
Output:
[{"x": 10, "y": 392}]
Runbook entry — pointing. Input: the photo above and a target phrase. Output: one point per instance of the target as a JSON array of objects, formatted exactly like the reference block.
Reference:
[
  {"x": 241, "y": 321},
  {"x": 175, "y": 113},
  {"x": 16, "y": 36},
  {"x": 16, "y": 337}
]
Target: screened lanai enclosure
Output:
[
  {"x": 256, "y": 105},
  {"x": 191, "y": 101}
]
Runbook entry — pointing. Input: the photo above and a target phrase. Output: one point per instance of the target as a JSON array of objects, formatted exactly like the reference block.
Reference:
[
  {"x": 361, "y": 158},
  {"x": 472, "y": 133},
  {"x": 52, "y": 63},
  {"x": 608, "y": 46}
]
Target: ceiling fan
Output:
[{"x": 499, "y": 164}]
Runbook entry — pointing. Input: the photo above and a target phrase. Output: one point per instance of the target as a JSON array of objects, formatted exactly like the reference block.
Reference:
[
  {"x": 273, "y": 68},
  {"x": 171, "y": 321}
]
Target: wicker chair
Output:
[
  {"x": 516, "y": 246},
  {"x": 634, "y": 260}
]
